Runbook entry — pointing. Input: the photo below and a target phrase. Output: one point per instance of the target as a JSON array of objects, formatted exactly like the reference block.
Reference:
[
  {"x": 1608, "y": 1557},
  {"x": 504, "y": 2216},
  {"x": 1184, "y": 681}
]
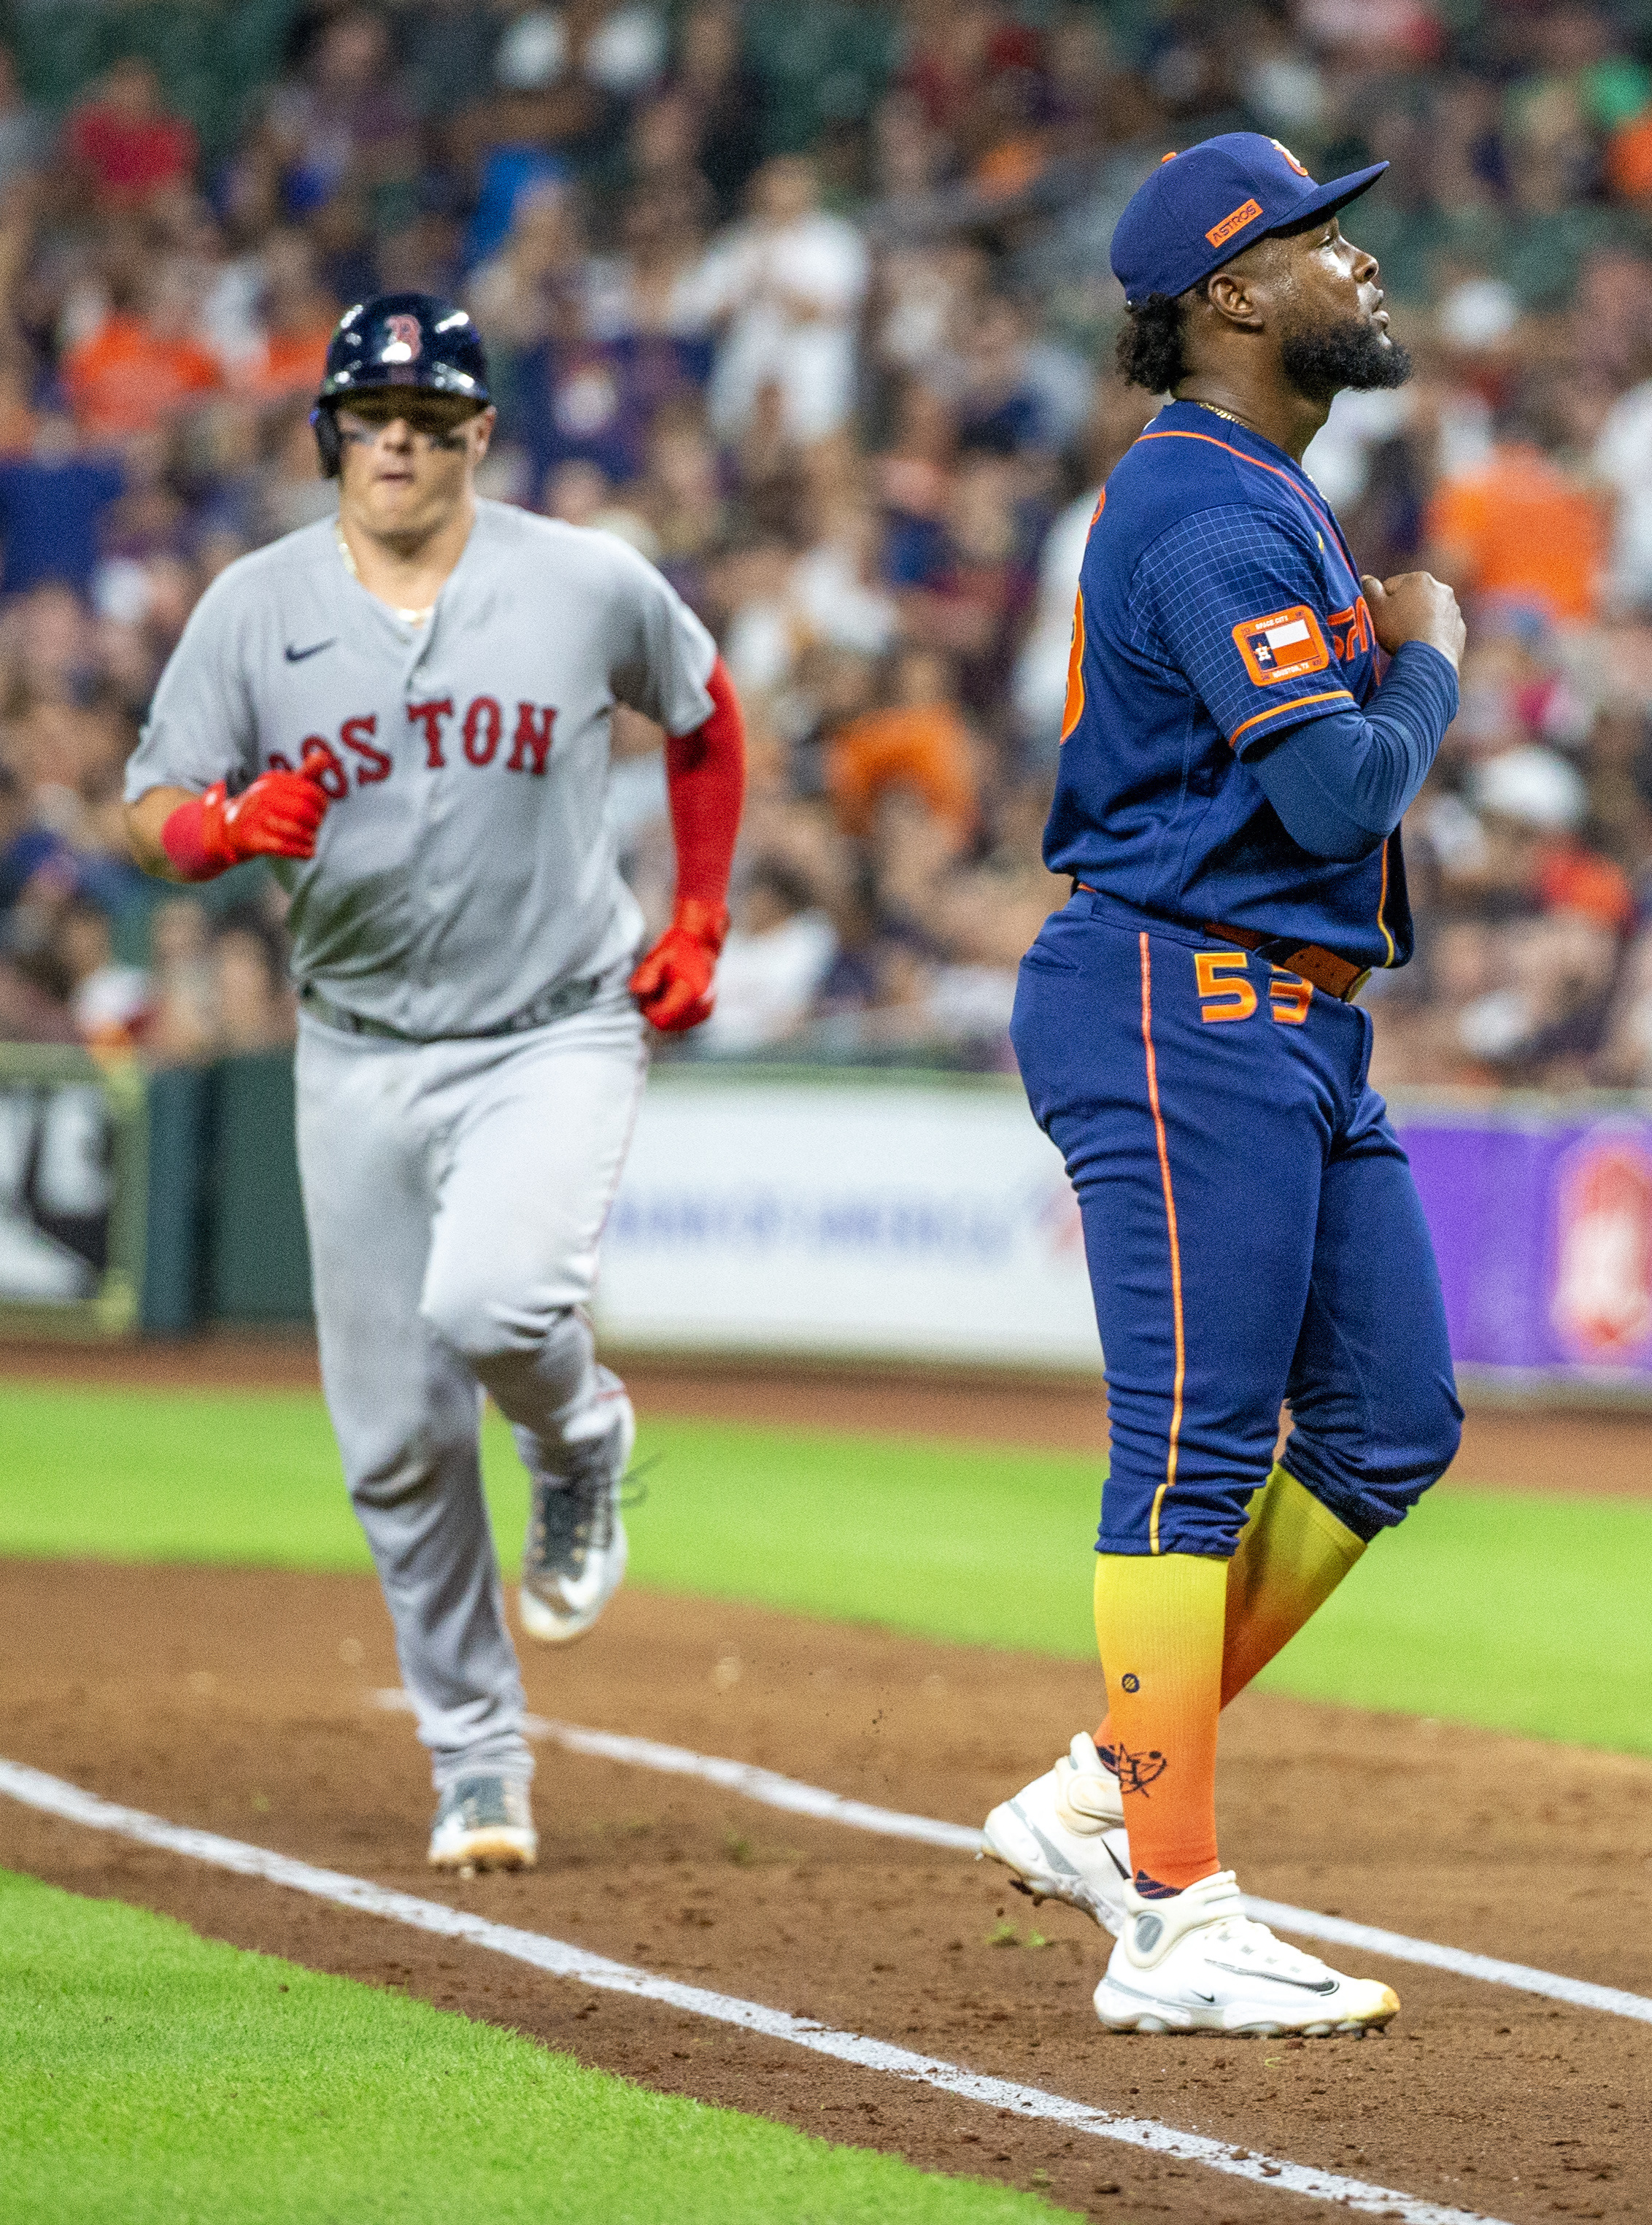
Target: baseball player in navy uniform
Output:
[
  {"x": 408, "y": 710},
  {"x": 1247, "y": 721}
]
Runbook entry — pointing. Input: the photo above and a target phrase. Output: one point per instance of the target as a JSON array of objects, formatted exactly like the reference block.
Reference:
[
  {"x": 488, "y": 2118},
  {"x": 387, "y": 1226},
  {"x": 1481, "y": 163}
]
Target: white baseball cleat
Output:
[
  {"x": 1064, "y": 1835},
  {"x": 483, "y": 1823},
  {"x": 1195, "y": 1961},
  {"x": 575, "y": 1559}
]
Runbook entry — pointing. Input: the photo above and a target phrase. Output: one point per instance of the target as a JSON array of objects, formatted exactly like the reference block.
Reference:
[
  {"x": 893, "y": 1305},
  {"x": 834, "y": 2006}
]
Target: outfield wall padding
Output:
[
  {"x": 833, "y": 1213},
  {"x": 257, "y": 1257},
  {"x": 226, "y": 1240}
]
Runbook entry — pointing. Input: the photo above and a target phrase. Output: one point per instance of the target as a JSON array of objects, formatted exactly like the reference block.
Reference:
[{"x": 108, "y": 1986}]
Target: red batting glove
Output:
[
  {"x": 673, "y": 985},
  {"x": 277, "y": 815}
]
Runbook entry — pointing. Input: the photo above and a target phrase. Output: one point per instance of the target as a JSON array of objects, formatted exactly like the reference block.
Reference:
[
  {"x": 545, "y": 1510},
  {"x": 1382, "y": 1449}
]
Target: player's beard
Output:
[{"x": 1319, "y": 365}]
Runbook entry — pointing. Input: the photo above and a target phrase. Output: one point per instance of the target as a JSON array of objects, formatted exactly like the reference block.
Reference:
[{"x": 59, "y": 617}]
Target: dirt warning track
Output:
[{"x": 243, "y": 1703}]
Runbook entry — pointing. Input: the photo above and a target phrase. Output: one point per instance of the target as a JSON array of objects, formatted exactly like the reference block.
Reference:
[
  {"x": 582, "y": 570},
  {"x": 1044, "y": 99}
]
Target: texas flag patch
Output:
[{"x": 1284, "y": 645}]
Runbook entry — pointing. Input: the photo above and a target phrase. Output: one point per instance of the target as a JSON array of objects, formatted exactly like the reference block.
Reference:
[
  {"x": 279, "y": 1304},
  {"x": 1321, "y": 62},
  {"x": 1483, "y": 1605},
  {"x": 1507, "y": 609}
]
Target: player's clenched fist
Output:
[
  {"x": 673, "y": 985},
  {"x": 1415, "y": 606},
  {"x": 278, "y": 815}
]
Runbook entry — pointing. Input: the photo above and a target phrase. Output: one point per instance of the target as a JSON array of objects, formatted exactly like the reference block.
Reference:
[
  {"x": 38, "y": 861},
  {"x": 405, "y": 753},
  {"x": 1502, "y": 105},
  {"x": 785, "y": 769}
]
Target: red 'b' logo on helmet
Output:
[{"x": 405, "y": 334}]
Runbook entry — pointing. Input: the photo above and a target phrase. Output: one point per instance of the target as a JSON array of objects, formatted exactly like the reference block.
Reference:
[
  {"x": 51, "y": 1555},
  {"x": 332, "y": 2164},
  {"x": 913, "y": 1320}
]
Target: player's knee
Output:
[
  {"x": 1444, "y": 1433},
  {"x": 1423, "y": 1435},
  {"x": 493, "y": 1327},
  {"x": 1372, "y": 1480},
  {"x": 470, "y": 1315}
]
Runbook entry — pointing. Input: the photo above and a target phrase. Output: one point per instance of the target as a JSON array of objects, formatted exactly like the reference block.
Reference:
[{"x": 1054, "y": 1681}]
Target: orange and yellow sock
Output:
[
  {"x": 1292, "y": 1554},
  {"x": 1159, "y": 1622}
]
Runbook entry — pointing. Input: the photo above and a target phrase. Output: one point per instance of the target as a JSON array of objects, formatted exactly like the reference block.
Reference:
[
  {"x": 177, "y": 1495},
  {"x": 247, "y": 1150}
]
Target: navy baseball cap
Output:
[{"x": 1200, "y": 209}]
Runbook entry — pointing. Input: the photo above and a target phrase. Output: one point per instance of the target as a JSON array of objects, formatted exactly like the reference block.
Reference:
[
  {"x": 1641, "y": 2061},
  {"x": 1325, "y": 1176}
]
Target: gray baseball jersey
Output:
[{"x": 464, "y": 865}]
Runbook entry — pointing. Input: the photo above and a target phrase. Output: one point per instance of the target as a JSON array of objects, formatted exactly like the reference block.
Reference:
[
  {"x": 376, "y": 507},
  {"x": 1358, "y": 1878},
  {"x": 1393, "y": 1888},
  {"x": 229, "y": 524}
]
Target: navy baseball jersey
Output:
[{"x": 1219, "y": 606}]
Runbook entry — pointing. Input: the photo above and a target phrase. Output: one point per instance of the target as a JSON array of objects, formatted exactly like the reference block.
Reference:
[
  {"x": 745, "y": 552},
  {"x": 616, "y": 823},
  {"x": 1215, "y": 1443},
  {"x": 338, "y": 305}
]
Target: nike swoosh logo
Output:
[
  {"x": 1057, "y": 1860},
  {"x": 1273, "y": 1978},
  {"x": 298, "y": 655}
]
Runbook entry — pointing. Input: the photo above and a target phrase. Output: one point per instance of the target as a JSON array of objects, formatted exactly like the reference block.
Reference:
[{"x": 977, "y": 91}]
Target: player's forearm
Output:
[
  {"x": 1342, "y": 785},
  {"x": 705, "y": 781},
  {"x": 705, "y": 784},
  {"x": 145, "y": 822}
]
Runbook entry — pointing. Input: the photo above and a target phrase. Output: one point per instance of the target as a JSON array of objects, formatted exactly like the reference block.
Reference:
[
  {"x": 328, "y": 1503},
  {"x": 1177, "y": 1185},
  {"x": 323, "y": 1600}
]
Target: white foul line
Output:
[
  {"x": 35, "y": 1789},
  {"x": 765, "y": 1785},
  {"x": 774, "y": 1791}
]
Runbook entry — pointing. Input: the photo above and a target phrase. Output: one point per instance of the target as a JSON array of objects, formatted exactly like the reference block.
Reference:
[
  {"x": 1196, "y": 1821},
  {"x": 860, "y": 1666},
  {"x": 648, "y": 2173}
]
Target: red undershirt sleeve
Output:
[{"x": 706, "y": 783}]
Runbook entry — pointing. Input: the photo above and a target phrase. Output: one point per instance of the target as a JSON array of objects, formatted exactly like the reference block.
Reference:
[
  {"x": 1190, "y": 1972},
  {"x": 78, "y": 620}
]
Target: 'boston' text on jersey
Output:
[{"x": 480, "y": 734}]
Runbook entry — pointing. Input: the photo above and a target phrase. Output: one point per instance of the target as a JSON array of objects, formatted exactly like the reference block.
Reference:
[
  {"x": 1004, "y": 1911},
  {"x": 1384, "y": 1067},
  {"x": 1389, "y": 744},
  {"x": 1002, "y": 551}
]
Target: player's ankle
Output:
[{"x": 1177, "y": 1878}]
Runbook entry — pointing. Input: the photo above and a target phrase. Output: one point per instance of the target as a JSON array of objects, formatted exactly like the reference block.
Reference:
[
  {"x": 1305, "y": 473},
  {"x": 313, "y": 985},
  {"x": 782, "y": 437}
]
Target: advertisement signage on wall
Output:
[
  {"x": 838, "y": 1214},
  {"x": 853, "y": 1217},
  {"x": 72, "y": 1184},
  {"x": 1541, "y": 1216},
  {"x": 908, "y": 1217}
]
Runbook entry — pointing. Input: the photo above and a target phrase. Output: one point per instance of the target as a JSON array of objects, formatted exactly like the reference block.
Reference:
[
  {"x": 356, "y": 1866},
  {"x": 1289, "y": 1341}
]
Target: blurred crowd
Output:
[{"x": 811, "y": 305}]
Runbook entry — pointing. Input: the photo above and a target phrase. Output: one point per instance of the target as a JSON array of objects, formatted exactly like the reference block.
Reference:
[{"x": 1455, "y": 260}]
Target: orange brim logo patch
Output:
[
  {"x": 1247, "y": 212},
  {"x": 1284, "y": 645}
]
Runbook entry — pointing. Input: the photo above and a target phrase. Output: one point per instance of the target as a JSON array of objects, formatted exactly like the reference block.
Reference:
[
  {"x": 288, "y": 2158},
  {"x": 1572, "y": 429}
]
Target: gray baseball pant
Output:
[{"x": 455, "y": 1194}]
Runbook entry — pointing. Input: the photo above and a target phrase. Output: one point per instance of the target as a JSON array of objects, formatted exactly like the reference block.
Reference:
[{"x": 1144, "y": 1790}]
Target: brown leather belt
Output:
[{"x": 1336, "y": 976}]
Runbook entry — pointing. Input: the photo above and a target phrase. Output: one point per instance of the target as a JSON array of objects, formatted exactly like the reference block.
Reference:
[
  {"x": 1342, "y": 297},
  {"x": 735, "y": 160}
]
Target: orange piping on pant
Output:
[
  {"x": 1175, "y": 1242},
  {"x": 1381, "y": 906}
]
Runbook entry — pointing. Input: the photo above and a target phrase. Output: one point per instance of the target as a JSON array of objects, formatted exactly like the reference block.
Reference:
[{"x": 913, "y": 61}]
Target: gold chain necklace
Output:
[
  {"x": 1217, "y": 411},
  {"x": 407, "y": 618}
]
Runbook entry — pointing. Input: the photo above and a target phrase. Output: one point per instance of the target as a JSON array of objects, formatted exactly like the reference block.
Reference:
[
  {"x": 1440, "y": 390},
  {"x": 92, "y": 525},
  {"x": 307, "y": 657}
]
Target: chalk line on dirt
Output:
[
  {"x": 54, "y": 1795},
  {"x": 774, "y": 1791}
]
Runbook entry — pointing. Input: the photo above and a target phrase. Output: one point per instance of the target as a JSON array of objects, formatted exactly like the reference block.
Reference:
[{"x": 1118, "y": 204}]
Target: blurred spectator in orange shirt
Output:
[
  {"x": 1629, "y": 159},
  {"x": 297, "y": 315},
  {"x": 1573, "y": 879},
  {"x": 141, "y": 365},
  {"x": 919, "y": 743},
  {"x": 1520, "y": 529},
  {"x": 126, "y": 142}
]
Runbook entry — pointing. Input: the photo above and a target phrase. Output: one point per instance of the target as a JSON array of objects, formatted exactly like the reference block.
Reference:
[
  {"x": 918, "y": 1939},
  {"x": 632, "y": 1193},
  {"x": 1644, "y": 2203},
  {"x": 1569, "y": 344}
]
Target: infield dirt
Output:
[{"x": 244, "y": 1701}]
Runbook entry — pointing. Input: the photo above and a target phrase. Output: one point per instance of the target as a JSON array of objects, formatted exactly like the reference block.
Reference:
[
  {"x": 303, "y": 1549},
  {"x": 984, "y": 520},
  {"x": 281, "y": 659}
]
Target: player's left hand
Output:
[{"x": 672, "y": 983}]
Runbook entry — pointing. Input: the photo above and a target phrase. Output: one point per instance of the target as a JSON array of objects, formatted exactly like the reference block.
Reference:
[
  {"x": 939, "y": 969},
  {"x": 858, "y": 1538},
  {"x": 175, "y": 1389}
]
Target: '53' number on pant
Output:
[{"x": 1225, "y": 992}]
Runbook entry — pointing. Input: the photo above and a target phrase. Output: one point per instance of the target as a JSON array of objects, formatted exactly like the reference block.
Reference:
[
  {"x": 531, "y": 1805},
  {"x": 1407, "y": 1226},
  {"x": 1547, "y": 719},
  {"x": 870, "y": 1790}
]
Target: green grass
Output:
[
  {"x": 1520, "y": 1612},
  {"x": 151, "y": 2075},
  {"x": 1512, "y": 1611}
]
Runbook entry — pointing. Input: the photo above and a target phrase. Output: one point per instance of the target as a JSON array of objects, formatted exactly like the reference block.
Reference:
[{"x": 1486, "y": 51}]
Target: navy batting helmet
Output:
[{"x": 398, "y": 340}]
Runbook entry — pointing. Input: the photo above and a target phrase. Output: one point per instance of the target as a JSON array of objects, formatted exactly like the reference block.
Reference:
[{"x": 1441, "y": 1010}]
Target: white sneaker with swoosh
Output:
[
  {"x": 1195, "y": 1961},
  {"x": 1063, "y": 1836},
  {"x": 573, "y": 1559}
]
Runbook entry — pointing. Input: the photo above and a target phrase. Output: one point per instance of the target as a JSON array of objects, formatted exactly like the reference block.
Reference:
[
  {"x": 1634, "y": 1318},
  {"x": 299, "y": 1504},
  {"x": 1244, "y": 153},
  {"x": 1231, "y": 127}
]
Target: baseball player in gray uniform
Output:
[{"x": 408, "y": 710}]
